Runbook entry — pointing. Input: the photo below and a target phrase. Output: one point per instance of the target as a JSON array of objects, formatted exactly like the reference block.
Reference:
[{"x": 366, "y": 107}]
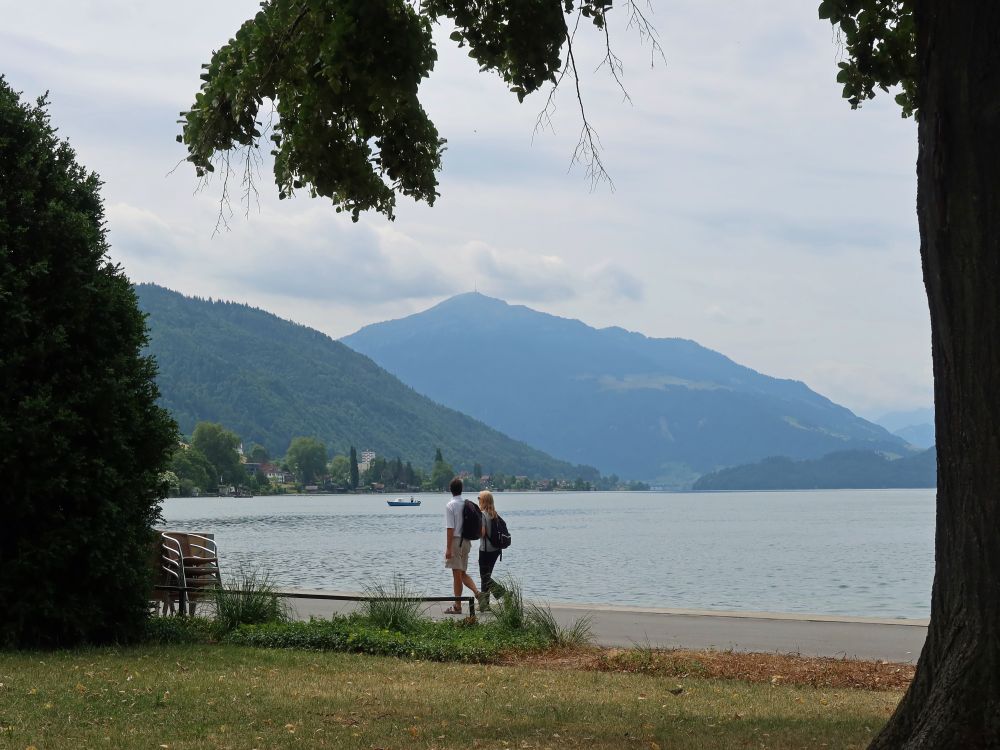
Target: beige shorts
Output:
[{"x": 459, "y": 559}]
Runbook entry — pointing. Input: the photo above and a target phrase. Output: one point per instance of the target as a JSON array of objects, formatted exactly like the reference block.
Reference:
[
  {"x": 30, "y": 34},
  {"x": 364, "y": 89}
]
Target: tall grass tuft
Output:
[
  {"x": 544, "y": 622},
  {"x": 508, "y": 612},
  {"x": 247, "y": 598},
  {"x": 393, "y": 609},
  {"x": 512, "y": 614}
]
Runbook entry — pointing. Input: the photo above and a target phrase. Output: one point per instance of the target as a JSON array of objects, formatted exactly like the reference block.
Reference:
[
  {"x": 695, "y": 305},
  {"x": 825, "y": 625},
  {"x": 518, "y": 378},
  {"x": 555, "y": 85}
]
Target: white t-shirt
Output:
[{"x": 453, "y": 514}]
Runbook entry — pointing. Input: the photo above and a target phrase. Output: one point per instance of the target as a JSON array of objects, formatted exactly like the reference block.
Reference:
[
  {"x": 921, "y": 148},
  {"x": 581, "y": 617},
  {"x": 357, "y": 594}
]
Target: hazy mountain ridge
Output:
[
  {"x": 840, "y": 470},
  {"x": 916, "y": 426},
  {"x": 654, "y": 409},
  {"x": 270, "y": 380}
]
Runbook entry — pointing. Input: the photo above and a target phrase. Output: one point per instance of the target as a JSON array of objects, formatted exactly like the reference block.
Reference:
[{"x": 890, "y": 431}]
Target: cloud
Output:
[
  {"x": 614, "y": 283},
  {"x": 752, "y": 210},
  {"x": 314, "y": 255},
  {"x": 529, "y": 277}
]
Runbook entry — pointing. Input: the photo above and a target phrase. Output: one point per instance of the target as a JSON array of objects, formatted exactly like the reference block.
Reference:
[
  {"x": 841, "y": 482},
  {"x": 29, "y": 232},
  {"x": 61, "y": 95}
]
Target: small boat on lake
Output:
[{"x": 400, "y": 502}]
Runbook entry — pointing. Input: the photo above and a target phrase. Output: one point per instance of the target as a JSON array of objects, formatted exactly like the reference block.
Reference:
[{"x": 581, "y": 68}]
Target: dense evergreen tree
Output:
[
  {"x": 441, "y": 472},
  {"x": 410, "y": 477},
  {"x": 390, "y": 473},
  {"x": 83, "y": 445},
  {"x": 355, "y": 478}
]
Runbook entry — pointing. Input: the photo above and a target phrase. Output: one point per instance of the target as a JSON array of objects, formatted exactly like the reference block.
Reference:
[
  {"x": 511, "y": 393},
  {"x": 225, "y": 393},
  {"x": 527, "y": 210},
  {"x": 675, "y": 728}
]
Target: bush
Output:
[
  {"x": 83, "y": 444},
  {"x": 182, "y": 630},
  {"x": 433, "y": 641},
  {"x": 247, "y": 598},
  {"x": 393, "y": 610}
]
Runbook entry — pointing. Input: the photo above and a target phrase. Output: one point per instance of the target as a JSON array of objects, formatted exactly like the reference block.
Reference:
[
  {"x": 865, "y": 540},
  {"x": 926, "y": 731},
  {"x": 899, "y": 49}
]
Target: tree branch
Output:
[
  {"x": 588, "y": 147},
  {"x": 637, "y": 20}
]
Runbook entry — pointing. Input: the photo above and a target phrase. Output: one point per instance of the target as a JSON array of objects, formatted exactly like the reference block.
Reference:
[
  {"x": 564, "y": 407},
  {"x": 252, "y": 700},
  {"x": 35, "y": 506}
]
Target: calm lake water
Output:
[{"x": 844, "y": 552}]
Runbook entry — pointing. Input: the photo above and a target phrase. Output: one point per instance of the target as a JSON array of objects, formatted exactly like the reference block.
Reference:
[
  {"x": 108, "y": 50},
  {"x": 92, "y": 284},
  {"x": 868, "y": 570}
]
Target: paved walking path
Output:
[{"x": 810, "y": 635}]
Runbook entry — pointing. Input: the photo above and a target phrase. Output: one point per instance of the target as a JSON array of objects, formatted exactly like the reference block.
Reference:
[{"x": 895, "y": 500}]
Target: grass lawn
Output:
[{"x": 195, "y": 697}]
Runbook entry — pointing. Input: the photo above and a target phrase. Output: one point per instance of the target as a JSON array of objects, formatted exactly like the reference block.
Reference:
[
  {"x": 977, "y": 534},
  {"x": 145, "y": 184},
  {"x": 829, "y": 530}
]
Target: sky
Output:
[{"x": 752, "y": 210}]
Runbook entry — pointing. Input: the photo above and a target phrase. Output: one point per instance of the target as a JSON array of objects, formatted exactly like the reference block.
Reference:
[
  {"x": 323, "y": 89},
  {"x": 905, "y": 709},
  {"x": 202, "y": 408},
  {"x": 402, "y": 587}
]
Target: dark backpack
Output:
[
  {"x": 472, "y": 521},
  {"x": 499, "y": 535}
]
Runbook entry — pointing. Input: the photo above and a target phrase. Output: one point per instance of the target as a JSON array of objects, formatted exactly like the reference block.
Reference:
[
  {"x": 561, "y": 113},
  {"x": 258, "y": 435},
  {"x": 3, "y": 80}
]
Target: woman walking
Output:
[{"x": 488, "y": 553}]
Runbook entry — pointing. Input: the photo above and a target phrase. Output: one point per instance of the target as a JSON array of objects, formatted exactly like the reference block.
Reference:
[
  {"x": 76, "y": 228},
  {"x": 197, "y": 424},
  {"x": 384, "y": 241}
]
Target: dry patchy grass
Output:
[
  {"x": 776, "y": 669},
  {"x": 196, "y": 697}
]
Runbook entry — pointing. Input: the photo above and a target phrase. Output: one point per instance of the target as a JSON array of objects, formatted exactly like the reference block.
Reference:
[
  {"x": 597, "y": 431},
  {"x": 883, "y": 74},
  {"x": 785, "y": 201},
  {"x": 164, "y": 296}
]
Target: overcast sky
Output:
[{"x": 753, "y": 211}]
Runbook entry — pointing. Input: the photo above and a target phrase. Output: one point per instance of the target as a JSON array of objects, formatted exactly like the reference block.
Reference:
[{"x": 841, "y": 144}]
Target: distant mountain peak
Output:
[
  {"x": 658, "y": 409},
  {"x": 466, "y": 299}
]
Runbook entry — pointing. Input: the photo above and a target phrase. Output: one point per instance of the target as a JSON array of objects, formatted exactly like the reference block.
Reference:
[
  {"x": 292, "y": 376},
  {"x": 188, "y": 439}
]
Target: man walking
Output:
[{"x": 456, "y": 550}]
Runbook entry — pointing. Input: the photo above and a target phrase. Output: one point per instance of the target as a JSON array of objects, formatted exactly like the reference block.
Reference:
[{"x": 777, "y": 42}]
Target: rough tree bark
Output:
[{"x": 954, "y": 701}]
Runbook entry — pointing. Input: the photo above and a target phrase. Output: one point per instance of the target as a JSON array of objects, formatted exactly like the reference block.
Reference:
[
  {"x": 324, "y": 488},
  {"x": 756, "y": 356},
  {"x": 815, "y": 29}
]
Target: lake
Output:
[{"x": 842, "y": 552}]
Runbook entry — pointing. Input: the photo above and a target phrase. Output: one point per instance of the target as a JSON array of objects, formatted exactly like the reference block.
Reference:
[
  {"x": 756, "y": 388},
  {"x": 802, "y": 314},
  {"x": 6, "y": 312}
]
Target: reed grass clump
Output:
[
  {"x": 508, "y": 611},
  {"x": 541, "y": 619},
  {"x": 512, "y": 613},
  {"x": 393, "y": 609},
  {"x": 248, "y": 598}
]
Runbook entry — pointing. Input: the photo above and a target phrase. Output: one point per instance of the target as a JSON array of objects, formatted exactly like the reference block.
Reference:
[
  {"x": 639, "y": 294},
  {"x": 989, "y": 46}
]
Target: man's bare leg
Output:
[
  {"x": 457, "y": 576},
  {"x": 467, "y": 580}
]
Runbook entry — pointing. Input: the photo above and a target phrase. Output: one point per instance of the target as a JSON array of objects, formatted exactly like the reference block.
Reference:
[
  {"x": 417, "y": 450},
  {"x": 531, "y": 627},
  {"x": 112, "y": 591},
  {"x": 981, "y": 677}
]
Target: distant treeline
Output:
[
  {"x": 840, "y": 470},
  {"x": 213, "y": 461}
]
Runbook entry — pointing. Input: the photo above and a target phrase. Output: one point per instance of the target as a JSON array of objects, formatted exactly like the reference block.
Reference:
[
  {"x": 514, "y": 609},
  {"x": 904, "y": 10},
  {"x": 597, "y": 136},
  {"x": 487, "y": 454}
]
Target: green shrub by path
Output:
[
  {"x": 179, "y": 630},
  {"x": 83, "y": 443},
  {"x": 390, "y": 623},
  {"x": 448, "y": 640},
  {"x": 433, "y": 641}
]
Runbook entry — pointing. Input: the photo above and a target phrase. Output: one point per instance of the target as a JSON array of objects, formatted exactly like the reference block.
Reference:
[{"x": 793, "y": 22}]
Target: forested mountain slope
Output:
[
  {"x": 841, "y": 470},
  {"x": 270, "y": 380}
]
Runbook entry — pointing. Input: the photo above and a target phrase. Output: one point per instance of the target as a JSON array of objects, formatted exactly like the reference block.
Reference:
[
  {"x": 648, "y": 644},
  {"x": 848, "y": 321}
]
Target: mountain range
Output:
[
  {"x": 270, "y": 380},
  {"x": 661, "y": 410},
  {"x": 916, "y": 426},
  {"x": 840, "y": 470}
]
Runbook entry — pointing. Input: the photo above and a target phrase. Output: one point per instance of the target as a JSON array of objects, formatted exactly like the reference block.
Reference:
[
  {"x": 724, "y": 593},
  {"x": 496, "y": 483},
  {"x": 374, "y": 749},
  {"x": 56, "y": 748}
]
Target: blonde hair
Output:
[{"x": 486, "y": 503}]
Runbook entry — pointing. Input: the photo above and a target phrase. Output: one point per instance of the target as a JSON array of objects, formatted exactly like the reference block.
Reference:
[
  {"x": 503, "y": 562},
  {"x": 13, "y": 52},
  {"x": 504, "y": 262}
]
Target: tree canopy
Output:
[
  {"x": 343, "y": 77},
  {"x": 307, "y": 458},
  {"x": 195, "y": 473},
  {"x": 879, "y": 37},
  {"x": 219, "y": 445},
  {"x": 83, "y": 445},
  {"x": 943, "y": 58}
]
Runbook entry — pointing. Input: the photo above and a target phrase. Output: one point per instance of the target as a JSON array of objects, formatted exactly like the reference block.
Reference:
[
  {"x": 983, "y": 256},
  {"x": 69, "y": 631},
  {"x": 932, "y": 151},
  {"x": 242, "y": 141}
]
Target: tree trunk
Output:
[{"x": 954, "y": 701}]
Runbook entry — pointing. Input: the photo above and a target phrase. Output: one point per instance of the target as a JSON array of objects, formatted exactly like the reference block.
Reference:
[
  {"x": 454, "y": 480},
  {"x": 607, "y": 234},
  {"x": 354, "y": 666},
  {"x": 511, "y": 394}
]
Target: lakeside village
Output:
[{"x": 214, "y": 463}]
